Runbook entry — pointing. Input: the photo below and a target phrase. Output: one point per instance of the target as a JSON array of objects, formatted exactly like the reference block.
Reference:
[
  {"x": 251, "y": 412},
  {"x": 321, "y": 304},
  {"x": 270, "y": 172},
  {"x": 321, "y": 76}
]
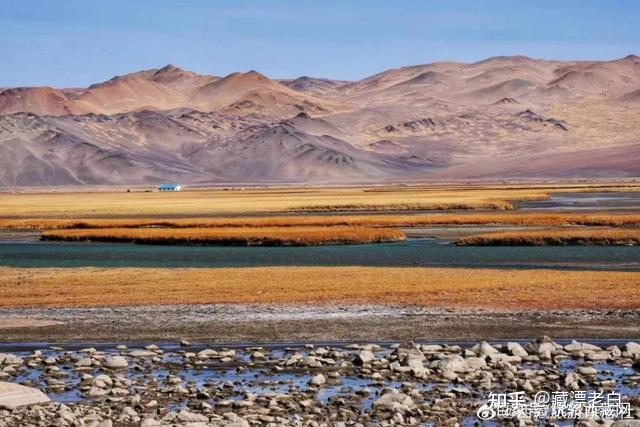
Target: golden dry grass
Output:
[
  {"x": 219, "y": 202},
  {"x": 555, "y": 237},
  {"x": 406, "y": 221},
  {"x": 256, "y": 236},
  {"x": 427, "y": 287},
  {"x": 206, "y": 203}
]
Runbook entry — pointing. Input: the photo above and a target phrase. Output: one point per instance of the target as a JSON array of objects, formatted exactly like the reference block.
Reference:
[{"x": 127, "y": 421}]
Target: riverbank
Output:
[
  {"x": 237, "y": 323},
  {"x": 367, "y": 383}
]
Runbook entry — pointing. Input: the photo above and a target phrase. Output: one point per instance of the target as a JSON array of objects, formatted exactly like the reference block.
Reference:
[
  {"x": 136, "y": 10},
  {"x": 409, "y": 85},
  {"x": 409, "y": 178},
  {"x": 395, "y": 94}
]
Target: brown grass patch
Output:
[
  {"x": 406, "y": 221},
  {"x": 554, "y": 237},
  {"x": 263, "y": 236},
  {"x": 428, "y": 287}
]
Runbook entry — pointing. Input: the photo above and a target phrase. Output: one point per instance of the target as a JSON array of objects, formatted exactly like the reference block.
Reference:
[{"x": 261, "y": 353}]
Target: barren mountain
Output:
[
  {"x": 314, "y": 86},
  {"x": 39, "y": 100},
  {"x": 501, "y": 117}
]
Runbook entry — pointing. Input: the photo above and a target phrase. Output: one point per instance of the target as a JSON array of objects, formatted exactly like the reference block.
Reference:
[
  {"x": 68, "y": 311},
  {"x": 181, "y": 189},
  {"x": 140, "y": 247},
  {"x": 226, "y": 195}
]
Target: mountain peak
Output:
[
  {"x": 256, "y": 75},
  {"x": 169, "y": 68}
]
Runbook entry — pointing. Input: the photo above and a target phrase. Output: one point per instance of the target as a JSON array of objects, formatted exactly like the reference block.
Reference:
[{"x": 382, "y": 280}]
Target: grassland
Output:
[
  {"x": 232, "y": 236},
  {"x": 381, "y": 220},
  {"x": 555, "y": 237},
  {"x": 426, "y": 287},
  {"x": 220, "y": 203}
]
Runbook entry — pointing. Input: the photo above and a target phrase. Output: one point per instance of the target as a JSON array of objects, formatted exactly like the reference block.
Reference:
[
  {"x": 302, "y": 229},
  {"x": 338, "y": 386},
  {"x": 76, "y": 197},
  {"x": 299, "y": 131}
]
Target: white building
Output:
[{"x": 170, "y": 187}]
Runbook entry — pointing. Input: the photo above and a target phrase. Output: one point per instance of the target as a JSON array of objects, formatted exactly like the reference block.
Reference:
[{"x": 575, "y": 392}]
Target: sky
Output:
[{"x": 74, "y": 43}]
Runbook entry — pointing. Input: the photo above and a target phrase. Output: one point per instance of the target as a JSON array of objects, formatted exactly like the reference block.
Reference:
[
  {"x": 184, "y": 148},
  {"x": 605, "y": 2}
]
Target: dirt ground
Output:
[{"x": 276, "y": 323}]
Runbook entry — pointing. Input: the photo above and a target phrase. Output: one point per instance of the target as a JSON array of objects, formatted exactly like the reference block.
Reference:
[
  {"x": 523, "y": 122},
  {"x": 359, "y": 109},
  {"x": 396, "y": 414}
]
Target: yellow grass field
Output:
[
  {"x": 555, "y": 237},
  {"x": 427, "y": 287},
  {"x": 381, "y": 220},
  {"x": 232, "y": 236},
  {"x": 218, "y": 202}
]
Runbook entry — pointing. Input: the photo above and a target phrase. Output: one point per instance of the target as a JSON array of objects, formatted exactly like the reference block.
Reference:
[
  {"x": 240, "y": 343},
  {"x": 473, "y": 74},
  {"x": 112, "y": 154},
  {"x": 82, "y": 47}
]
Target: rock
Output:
[
  {"x": 258, "y": 355},
  {"x": 575, "y": 346},
  {"x": 572, "y": 381},
  {"x": 207, "y": 354},
  {"x": 626, "y": 423},
  {"x": 13, "y": 396},
  {"x": 185, "y": 343},
  {"x": 235, "y": 420},
  {"x": 408, "y": 352},
  {"x": 102, "y": 381},
  {"x": 84, "y": 363},
  {"x": 394, "y": 402},
  {"x": 587, "y": 370},
  {"x": 516, "y": 349},
  {"x": 599, "y": 356},
  {"x": 128, "y": 414},
  {"x": 192, "y": 417},
  {"x": 504, "y": 358},
  {"x": 143, "y": 353},
  {"x": 97, "y": 392},
  {"x": 416, "y": 367},
  {"x": 484, "y": 348},
  {"x": 474, "y": 363},
  {"x": 365, "y": 356},
  {"x": 431, "y": 348},
  {"x": 633, "y": 348},
  {"x": 116, "y": 362},
  {"x": 10, "y": 359},
  {"x": 317, "y": 380},
  {"x": 452, "y": 363},
  {"x": 543, "y": 346}
]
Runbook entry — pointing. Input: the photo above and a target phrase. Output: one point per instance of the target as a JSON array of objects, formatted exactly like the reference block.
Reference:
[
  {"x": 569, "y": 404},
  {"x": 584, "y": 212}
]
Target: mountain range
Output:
[{"x": 504, "y": 117}]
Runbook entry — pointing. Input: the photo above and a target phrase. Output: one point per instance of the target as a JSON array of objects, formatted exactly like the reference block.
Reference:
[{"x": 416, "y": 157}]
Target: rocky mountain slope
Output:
[{"x": 512, "y": 117}]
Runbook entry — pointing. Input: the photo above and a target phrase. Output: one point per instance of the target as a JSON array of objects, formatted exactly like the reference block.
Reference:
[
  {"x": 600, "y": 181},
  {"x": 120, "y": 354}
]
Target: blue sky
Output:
[{"x": 74, "y": 43}]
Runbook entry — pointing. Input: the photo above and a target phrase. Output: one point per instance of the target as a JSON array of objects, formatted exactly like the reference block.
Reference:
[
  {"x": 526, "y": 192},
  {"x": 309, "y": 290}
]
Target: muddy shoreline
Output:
[{"x": 260, "y": 323}]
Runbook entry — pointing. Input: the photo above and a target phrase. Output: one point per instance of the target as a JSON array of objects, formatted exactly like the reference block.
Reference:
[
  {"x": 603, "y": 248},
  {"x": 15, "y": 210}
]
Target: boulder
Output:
[
  {"x": 394, "y": 402},
  {"x": 633, "y": 348},
  {"x": 542, "y": 346},
  {"x": 484, "y": 348},
  {"x": 474, "y": 363},
  {"x": 15, "y": 395},
  {"x": 452, "y": 363},
  {"x": 365, "y": 356},
  {"x": 116, "y": 362},
  {"x": 317, "y": 380},
  {"x": 10, "y": 359},
  {"x": 575, "y": 346},
  {"x": 516, "y": 349}
]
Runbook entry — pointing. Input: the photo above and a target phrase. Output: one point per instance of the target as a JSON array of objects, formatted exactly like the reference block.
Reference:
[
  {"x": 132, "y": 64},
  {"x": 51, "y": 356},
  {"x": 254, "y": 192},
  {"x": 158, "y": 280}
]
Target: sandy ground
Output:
[
  {"x": 11, "y": 323},
  {"x": 282, "y": 323}
]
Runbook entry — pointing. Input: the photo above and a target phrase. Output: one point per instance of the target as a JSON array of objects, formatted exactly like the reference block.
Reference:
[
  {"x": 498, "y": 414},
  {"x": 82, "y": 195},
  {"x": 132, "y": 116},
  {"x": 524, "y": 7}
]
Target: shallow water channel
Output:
[{"x": 410, "y": 253}]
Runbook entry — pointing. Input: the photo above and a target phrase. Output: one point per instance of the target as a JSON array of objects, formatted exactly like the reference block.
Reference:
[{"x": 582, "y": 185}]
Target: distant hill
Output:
[{"x": 501, "y": 117}]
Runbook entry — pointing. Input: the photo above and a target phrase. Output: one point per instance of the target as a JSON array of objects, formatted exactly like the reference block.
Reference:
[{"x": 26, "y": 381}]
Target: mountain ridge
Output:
[{"x": 415, "y": 122}]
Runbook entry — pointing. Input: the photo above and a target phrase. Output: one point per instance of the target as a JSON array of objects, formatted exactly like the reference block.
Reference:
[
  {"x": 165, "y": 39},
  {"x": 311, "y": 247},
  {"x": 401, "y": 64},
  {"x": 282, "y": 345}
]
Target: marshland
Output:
[{"x": 275, "y": 246}]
